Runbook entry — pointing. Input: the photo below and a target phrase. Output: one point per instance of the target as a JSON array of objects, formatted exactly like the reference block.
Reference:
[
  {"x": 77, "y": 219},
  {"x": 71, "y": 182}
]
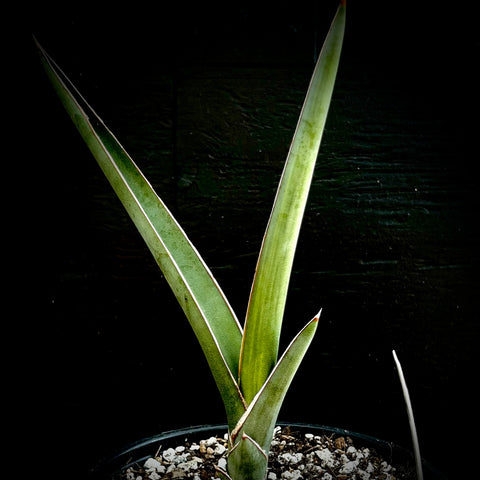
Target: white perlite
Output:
[
  {"x": 326, "y": 457},
  {"x": 169, "y": 455},
  {"x": 222, "y": 463},
  {"x": 219, "y": 449},
  {"x": 349, "y": 467},
  {"x": 319, "y": 458},
  {"x": 289, "y": 459},
  {"x": 211, "y": 442},
  {"x": 153, "y": 465},
  {"x": 292, "y": 475}
]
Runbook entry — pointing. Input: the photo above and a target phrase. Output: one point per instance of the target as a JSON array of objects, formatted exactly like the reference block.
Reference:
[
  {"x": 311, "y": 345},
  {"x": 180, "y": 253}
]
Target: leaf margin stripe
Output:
[{"x": 223, "y": 375}]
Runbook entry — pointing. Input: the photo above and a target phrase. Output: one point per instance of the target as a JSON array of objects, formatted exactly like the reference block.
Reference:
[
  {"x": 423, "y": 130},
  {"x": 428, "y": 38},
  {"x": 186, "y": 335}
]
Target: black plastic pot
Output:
[{"x": 138, "y": 452}]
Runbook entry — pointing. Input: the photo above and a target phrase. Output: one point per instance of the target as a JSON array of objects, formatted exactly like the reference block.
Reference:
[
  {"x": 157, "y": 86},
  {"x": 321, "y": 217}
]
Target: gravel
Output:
[{"x": 293, "y": 456}]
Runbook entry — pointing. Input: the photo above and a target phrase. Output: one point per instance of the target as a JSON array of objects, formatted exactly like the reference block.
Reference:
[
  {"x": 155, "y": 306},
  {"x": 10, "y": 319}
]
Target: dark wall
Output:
[{"x": 206, "y": 101}]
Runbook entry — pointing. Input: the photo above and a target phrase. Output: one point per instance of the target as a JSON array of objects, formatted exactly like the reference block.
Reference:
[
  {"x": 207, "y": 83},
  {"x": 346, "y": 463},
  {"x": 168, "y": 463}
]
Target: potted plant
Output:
[{"x": 251, "y": 377}]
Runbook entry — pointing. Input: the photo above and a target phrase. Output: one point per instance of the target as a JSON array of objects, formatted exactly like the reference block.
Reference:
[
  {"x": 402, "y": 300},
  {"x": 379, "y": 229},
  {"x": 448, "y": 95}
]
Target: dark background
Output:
[{"x": 206, "y": 100}]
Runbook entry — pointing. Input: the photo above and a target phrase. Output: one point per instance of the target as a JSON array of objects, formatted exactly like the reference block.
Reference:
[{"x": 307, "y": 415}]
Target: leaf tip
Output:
[{"x": 37, "y": 44}]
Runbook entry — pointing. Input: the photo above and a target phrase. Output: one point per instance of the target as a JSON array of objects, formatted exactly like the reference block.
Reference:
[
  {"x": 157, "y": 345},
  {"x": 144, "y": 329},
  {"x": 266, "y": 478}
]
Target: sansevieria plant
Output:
[{"x": 252, "y": 380}]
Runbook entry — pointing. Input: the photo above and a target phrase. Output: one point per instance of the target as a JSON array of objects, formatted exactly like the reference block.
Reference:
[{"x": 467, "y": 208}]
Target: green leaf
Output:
[
  {"x": 247, "y": 460},
  {"x": 259, "y": 419},
  {"x": 201, "y": 298},
  {"x": 270, "y": 285}
]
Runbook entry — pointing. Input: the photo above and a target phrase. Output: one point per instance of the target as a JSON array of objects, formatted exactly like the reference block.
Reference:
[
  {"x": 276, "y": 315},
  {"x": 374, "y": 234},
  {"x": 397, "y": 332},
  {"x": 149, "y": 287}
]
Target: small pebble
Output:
[
  {"x": 295, "y": 475},
  {"x": 152, "y": 464},
  {"x": 211, "y": 441},
  {"x": 326, "y": 456},
  {"x": 219, "y": 450},
  {"x": 323, "y": 458},
  {"x": 352, "y": 451},
  {"x": 222, "y": 463},
  {"x": 169, "y": 454},
  {"x": 340, "y": 443},
  {"x": 291, "y": 459},
  {"x": 385, "y": 467},
  {"x": 349, "y": 467}
]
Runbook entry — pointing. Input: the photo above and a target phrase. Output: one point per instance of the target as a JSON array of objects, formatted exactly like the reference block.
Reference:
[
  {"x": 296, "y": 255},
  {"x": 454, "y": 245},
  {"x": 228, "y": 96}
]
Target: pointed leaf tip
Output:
[{"x": 317, "y": 316}]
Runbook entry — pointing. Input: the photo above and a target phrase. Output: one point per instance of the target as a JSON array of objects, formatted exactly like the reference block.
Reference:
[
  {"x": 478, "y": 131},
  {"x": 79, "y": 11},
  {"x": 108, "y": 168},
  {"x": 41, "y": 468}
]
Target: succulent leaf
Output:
[
  {"x": 194, "y": 286},
  {"x": 269, "y": 290}
]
